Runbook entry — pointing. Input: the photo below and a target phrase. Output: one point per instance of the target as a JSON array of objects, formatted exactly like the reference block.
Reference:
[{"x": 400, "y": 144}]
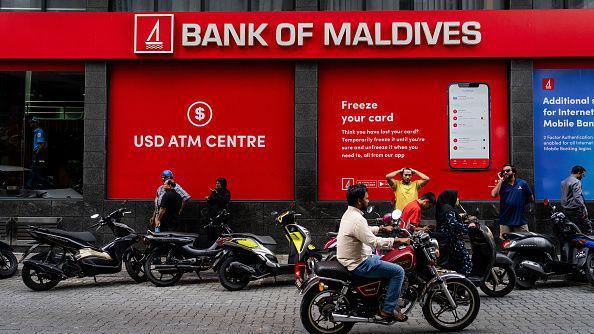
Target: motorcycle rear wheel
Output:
[
  {"x": 524, "y": 279},
  {"x": 35, "y": 280},
  {"x": 231, "y": 279},
  {"x": 324, "y": 303},
  {"x": 464, "y": 293},
  {"x": 589, "y": 268},
  {"x": 8, "y": 263},
  {"x": 161, "y": 277},
  {"x": 506, "y": 277}
]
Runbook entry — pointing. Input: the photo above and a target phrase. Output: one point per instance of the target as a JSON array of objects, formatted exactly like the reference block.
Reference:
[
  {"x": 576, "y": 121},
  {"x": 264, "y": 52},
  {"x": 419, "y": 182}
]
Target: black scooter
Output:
[
  {"x": 171, "y": 254},
  {"x": 492, "y": 272},
  {"x": 535, "y": 255},
  {"x": 73, "y": 254},
  {"x": 8, "y": 262}
]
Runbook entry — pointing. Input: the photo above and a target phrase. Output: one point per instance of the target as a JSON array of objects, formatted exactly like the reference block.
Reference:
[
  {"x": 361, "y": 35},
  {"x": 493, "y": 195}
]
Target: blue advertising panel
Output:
[{"x": 563, "y": 128}]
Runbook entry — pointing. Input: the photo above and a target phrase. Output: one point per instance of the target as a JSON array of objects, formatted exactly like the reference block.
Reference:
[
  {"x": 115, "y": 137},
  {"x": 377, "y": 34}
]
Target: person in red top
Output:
[{"x": 412, "y": 211}]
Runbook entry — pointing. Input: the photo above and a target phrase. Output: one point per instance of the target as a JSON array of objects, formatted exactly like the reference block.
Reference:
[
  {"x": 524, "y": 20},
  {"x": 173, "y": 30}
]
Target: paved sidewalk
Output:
[{"x": 117, "y": 305}]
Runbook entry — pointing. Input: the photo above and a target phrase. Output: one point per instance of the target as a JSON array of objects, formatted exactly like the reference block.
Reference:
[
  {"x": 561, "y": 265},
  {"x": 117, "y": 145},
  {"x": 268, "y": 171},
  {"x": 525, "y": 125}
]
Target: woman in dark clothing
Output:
[
  {"x": 217, "y": 200},
  {"x": 450, "y": 233},
  {"x": 219, "y": 197}
]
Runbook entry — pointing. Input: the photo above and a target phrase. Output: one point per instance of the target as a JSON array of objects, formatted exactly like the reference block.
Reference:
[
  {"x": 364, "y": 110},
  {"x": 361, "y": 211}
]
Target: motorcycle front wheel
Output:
[
  {"x": 135, "y": 265},
  {"x": 316, "y": 313},
  {"x": 161, "y": 276},
  {"x": 8, "y": 263},
  {"x": 501, "y": 281},
  {"x": 438, "y": 311}
]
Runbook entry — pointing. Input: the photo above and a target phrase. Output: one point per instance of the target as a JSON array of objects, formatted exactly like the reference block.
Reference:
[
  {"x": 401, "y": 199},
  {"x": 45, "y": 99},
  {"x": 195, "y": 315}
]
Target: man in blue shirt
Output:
[
  {"x": 514, "y": 193},
  {"x": 39, "y": 153}
]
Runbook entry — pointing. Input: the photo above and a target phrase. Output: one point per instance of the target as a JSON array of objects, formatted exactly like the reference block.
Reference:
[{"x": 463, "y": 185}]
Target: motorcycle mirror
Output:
[
  {"x": 546, "y": 202},
  {"x": 95, "y": 216},
  {"x": 396, "y": 214},
  {"x": 369, "y": 209}
]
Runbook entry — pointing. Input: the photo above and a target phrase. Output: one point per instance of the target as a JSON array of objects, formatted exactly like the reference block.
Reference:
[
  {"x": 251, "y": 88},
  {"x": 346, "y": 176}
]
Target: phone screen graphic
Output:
[{"x": 469, "y": 126}]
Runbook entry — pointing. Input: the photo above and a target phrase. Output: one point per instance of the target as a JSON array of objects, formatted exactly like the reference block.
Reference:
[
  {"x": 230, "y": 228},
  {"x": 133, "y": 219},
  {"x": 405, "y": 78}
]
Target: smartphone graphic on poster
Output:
[{"x": 469, "y": 123}]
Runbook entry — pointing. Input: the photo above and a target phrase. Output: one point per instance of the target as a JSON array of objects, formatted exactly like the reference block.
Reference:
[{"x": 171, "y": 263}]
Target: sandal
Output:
[
  {"x": 396, "y": 315},
  {"x": 400, "y": 317}
]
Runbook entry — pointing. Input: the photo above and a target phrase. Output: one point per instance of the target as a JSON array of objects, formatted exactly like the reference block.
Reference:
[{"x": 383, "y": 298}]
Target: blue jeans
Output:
[{"x": 374, "y": 267}]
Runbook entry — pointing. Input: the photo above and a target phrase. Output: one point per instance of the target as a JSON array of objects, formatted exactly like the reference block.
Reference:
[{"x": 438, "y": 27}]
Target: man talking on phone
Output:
[{"x": 514, "y": 193}]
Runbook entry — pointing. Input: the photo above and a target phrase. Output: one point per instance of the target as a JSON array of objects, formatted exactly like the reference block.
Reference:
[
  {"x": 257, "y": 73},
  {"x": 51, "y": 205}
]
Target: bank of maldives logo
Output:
[{"x": 153, "y": 33}]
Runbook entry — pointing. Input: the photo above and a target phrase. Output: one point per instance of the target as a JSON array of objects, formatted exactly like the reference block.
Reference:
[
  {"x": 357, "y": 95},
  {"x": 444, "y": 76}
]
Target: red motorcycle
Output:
[{"x": 334, "y": 299}]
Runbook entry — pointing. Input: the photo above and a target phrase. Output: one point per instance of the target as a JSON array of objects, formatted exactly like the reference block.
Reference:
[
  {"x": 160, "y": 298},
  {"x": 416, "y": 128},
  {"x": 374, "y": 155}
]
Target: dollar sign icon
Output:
[{"x": 199, "y": 114}]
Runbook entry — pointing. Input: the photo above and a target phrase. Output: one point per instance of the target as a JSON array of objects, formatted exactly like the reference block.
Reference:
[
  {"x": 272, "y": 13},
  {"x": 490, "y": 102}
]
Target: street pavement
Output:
[{"x": 117, "y": 305}]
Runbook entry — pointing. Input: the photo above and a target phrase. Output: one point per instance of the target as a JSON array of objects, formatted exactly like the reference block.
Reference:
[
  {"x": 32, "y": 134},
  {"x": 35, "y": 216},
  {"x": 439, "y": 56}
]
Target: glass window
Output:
[
  {"x": 65, "y": 5},
  {"x": 20, "y": 5},
  {"x": 41, "y": 134},
  {"x": 43, "y": 5},
  {"x": 133, "y": 6},
  {"x": 202, "y": 5},
  {"x": 411, "y": 4},
  {"x": 580, "y": 4},
  {"x": 180, "y": 5}
]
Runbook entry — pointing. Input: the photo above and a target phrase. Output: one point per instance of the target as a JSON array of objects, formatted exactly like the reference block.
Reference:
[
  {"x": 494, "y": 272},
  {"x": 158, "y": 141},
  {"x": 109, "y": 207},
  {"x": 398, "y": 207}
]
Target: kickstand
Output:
[
  {"x": 95, "y": 278},
  {"x": 199, "y": 277}
]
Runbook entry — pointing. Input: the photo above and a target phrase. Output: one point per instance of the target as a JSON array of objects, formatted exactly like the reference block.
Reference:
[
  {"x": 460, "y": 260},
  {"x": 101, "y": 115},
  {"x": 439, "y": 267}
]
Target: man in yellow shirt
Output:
[{"x": 406, "y": 191}]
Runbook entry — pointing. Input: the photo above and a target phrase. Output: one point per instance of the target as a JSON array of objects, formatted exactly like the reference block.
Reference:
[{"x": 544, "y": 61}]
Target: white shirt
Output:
[{"x": 356, "y": 239}]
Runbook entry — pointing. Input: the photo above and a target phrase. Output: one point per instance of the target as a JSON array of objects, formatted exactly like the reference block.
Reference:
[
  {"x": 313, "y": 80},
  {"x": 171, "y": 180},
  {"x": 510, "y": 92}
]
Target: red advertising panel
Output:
[
  {"x": 448, "y": 120},
  {"x": 202, "y": 121}
]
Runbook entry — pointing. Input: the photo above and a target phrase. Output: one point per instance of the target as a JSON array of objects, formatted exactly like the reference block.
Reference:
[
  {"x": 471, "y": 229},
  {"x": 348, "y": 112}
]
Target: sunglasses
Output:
[{"x": 507, "y": 170}]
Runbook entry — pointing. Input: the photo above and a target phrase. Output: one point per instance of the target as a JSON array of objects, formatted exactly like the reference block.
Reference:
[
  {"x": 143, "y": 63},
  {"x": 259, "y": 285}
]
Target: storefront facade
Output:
[{"x": 289, "y": 106}]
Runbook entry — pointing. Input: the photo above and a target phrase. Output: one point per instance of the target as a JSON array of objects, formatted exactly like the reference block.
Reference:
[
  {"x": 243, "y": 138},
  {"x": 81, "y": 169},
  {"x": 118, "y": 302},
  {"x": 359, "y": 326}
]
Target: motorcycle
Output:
[
  {"x": 334, "y": 299},
  {"x": 247, "y": 257},
  {"x": 73, "y": 254},
  {"x": 171, "y": 254},
  {"x": 492, "y": 272},
  {"x": 535, "y": 255},
  {"x": 8, "y": 262}
]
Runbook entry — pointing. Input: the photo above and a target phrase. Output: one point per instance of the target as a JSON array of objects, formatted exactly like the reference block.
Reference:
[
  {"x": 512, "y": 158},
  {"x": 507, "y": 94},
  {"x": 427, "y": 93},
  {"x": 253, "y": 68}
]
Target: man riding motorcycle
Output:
[{"x": 355, "y": 243}]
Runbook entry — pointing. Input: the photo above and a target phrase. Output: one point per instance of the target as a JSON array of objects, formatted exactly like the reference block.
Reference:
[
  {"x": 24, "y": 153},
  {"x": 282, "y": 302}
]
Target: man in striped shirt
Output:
[{"x": 168, "y": 175}]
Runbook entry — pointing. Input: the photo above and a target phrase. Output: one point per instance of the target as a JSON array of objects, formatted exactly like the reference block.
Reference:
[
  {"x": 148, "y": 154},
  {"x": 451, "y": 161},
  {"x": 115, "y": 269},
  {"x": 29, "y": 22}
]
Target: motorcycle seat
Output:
[
  {"x": 175, "y": 234},
  {"x": 263, "y": 239},
  {"x": 331, "y": 269},
  {"x": 211, "y": 251},
  {"x": 519, "y": 235},
  {"x": 84, "y": 236}
]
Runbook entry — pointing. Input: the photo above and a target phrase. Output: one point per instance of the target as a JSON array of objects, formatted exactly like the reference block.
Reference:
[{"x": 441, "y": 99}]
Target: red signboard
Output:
[
  {"x": 375, "y": 118},
  {"x": 202, "y": 121},
  {"x": 386, "y": 34}
]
